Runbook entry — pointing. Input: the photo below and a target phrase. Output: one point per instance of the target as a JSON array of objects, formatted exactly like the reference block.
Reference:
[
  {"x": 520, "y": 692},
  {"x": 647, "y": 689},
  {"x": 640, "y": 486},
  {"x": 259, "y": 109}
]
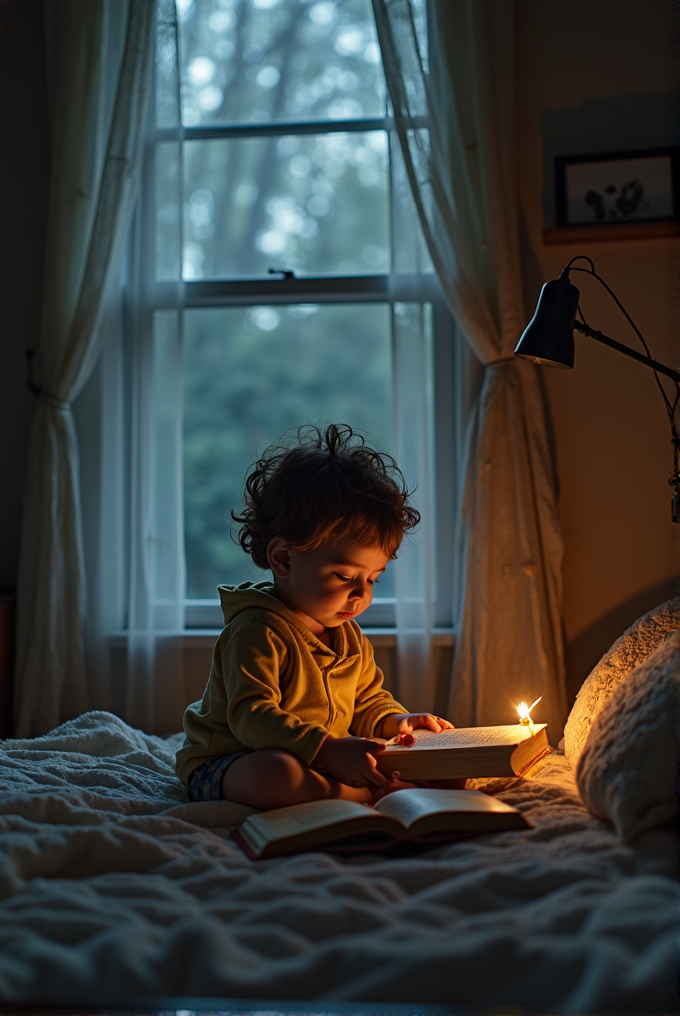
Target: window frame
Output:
[{"x": 250, "y": 290}]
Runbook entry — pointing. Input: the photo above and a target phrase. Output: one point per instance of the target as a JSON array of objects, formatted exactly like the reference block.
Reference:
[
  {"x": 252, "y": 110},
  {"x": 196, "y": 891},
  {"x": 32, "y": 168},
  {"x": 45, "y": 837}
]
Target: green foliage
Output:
[
  {"x": 251, "y": 374},
  {"x": 315, "y": 203},
  {"x": 257, "y": 60}
]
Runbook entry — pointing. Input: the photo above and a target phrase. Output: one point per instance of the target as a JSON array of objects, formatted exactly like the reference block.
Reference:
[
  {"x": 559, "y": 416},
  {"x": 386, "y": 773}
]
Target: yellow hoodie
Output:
[{"x": 273, "y": 684}]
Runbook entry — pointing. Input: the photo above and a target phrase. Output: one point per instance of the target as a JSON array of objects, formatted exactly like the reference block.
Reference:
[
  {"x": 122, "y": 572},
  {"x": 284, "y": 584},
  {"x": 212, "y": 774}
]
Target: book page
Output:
[
  {"x": 466, "y": 737},
  {"x": 299, "y": 818},
  {"x": 408, "y": 806}
]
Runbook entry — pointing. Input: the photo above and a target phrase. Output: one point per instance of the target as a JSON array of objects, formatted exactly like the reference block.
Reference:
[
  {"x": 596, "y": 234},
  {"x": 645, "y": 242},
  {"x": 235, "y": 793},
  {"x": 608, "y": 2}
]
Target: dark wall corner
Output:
[{"x": 24, "y": 181}]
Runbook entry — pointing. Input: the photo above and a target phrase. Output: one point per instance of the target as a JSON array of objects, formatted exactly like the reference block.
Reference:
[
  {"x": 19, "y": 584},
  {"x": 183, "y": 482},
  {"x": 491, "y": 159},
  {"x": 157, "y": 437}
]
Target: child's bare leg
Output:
[{"x": 274, "y": 779}]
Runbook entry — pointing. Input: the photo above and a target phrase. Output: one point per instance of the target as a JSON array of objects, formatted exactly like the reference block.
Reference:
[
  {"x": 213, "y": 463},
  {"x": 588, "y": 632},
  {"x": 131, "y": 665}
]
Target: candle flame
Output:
[{"x": 525, "y": 711}]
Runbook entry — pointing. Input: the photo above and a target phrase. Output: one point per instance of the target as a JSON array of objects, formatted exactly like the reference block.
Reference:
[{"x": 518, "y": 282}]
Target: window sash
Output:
[
  {"x": 274, "y": 129},
  {"x": 246, "y": 290},
  {"x": 207, "y": 614},
  {"x": 319, "y": 288}
]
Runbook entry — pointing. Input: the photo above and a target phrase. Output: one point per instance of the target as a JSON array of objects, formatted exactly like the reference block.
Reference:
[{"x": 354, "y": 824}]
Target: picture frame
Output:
[{"x": 617, "y": 189}]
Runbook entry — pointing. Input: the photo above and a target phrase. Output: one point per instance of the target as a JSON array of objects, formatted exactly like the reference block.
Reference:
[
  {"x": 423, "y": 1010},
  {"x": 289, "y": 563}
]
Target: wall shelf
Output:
[{"x": 599, "y": 234}]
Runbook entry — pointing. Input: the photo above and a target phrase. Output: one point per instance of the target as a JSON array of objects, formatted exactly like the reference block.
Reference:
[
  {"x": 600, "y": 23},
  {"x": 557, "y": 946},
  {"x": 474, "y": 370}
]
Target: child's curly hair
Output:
[{"x": 324, "y": 487}]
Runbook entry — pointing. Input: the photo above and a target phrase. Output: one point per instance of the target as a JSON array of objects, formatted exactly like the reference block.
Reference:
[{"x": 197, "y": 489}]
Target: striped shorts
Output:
[{"x": 205, "y": 783}]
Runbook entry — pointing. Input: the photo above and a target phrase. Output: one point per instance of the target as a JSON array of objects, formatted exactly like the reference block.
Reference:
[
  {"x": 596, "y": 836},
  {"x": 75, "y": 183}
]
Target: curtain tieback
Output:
[
  {"x": 500, "y": 363},
  {"x": 51, "y": 400}
]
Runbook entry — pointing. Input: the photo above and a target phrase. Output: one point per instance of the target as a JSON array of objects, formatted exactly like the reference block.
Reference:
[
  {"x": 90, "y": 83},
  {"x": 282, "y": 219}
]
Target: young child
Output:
[{"x": 295, "y": 705}]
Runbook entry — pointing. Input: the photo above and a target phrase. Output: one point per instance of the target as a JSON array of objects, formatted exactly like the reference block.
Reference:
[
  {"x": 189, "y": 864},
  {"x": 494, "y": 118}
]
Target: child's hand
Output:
[
  {"x": 406, "y": 723},
  {"x": 351, "y": 760}
]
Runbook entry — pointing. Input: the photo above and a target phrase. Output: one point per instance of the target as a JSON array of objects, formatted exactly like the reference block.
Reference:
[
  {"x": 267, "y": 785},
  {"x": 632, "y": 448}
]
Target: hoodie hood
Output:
[
  {"x": 260, "y": 596},
  {"x": 234, "y": 599}
]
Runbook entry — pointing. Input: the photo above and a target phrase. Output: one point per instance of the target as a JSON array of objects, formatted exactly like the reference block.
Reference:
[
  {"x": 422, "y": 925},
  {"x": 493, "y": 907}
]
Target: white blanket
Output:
[{"x": 112, "y": 884}]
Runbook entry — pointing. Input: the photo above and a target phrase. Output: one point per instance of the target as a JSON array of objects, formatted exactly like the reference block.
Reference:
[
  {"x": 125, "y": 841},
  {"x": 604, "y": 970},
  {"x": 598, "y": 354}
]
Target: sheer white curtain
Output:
[
  {"x": 98, "y": 60},
  {"x": 413, "y": 441},
  {"x": 156, "y": 588},
  {"x": 462, "y": 174},
  {"x": 137, "y": 618}
]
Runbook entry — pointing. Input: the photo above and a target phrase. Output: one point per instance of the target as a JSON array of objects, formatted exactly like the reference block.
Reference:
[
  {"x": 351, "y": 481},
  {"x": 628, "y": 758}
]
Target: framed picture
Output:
[{"x": 617, "y": 188}]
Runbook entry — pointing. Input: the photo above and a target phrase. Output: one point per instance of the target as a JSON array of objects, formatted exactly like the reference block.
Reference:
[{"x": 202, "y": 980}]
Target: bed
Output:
[{"x": 113, "y": 886}]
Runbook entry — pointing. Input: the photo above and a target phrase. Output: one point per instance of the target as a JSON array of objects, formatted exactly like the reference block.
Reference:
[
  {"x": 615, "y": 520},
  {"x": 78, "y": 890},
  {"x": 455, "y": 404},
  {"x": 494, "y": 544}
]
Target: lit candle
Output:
[{"x": 525, "y": 711}]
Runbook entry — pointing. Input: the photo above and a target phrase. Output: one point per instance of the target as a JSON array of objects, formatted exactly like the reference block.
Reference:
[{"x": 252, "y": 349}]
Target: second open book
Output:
[{"x": 418, "y": 815}]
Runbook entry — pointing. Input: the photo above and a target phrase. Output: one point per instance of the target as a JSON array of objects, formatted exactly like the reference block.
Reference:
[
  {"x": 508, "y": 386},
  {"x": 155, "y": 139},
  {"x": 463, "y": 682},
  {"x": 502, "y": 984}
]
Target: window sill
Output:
[{"x": 383, "y": 638}]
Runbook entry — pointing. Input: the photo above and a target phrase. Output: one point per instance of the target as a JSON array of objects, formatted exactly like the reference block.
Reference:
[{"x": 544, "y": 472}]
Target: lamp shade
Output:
[{"x": 549, "y": 336}]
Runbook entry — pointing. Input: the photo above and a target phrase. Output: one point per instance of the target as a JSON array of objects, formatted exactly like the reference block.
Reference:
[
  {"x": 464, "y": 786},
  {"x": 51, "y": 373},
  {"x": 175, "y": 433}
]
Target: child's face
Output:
[{"x": 331, "y": 584}]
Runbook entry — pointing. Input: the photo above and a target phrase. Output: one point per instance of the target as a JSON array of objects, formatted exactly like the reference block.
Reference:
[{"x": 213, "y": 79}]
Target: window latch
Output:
[{"x": 285, "y": 273}]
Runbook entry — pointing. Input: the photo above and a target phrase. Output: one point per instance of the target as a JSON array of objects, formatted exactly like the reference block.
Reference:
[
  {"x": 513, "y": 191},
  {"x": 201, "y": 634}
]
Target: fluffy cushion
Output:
[
  {"x": 627, "y": 653},
  {"x": 627, "y": 770}
]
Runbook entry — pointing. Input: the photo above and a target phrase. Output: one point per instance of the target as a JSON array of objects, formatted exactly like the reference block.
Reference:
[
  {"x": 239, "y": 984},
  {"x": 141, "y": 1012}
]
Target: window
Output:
[{"x": 268, "y": 212}]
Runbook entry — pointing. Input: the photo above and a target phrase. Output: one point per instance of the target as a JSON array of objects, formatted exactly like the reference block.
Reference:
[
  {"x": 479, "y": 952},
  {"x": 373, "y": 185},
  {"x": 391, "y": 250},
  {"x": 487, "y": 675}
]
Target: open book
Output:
[
  {"x": 417, "y": 815},
  {"x": 466, "y": 752}
]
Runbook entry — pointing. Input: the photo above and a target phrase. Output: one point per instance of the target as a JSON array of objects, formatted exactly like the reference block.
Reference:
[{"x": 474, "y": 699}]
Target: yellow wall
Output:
[{"x": 611, "y": 431}]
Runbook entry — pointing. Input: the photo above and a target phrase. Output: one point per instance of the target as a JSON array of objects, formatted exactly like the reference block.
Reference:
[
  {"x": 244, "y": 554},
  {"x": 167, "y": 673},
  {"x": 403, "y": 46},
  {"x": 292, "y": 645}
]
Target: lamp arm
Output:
[{"x": 661, "y": 368}]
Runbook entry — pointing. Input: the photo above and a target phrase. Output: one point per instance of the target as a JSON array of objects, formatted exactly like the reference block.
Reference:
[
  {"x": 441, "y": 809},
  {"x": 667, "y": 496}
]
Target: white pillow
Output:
[
  {"x": 627, "y": 772},
  {"x": 627, "y": 653}
]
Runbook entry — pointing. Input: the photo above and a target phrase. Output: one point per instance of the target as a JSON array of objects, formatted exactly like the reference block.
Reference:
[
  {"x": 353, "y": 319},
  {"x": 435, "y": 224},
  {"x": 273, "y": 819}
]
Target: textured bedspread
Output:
[{"x": 112, "y": 885}]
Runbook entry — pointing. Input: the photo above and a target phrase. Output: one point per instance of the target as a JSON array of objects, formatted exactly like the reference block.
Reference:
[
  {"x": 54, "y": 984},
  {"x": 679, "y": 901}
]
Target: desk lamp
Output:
[{"x": 549, "y": 339}]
